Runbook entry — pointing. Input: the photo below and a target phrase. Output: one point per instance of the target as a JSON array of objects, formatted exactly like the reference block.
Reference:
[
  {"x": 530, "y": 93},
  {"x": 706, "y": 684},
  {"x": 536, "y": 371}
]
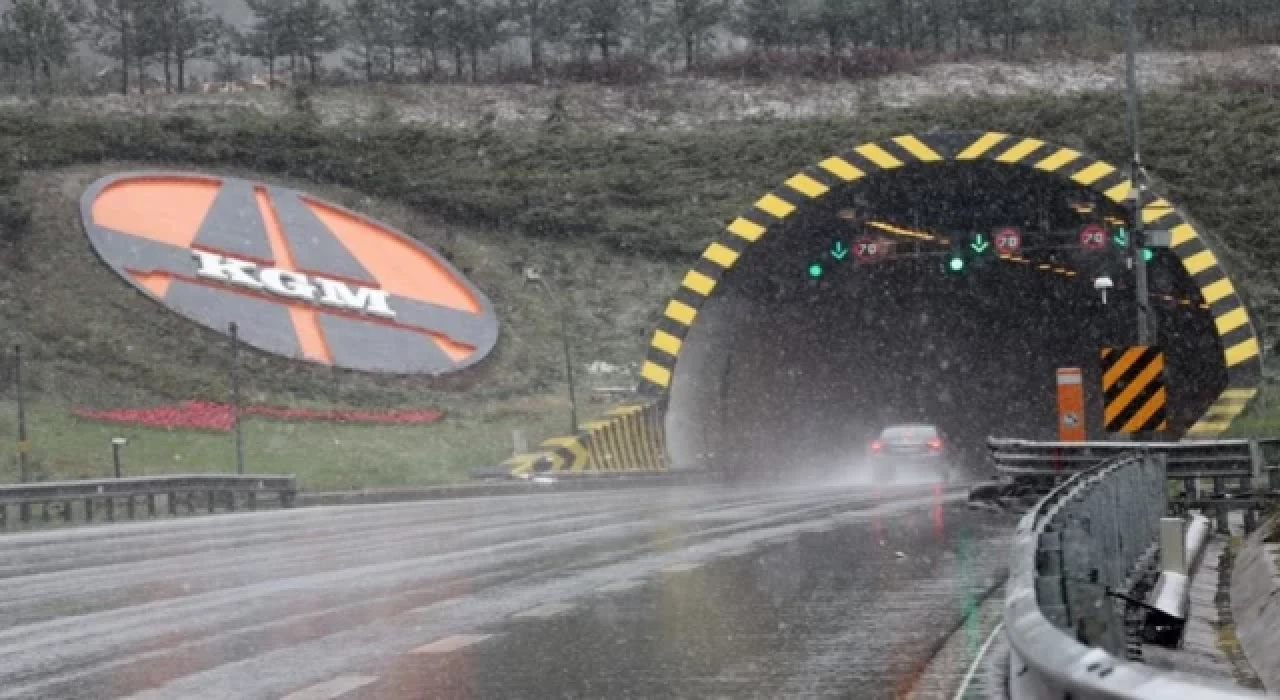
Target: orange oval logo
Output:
[{"x": 301, "y": 277}]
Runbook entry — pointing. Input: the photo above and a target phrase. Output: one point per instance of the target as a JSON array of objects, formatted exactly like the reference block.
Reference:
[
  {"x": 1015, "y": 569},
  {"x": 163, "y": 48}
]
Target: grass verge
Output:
[{"x": 324, "y": 456}]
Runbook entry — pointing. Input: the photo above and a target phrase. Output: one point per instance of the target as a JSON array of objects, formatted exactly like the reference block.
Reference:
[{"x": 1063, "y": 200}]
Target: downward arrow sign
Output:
[
  {"x": 979, "y": 245},
  {"x": 839, "y": 251}
]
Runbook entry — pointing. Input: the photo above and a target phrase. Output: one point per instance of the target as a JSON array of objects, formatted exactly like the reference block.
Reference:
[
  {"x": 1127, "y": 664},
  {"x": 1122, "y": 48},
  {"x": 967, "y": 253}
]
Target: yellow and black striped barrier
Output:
[
  {"x": 1238, "y": 342},
  {"x": 627, "y": 438},
  {"x": 1135, "y": 399}
]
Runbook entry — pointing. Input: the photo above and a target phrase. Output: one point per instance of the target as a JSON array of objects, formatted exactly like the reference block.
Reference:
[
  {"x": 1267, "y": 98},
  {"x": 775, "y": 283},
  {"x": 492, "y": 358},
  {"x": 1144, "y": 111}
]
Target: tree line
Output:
[{"x": 430, "y": 40}]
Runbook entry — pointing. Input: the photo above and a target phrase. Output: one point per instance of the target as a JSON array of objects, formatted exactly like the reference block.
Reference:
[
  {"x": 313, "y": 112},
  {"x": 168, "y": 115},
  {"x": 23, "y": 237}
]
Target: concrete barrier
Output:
[{"x": 1255, "y": 604}]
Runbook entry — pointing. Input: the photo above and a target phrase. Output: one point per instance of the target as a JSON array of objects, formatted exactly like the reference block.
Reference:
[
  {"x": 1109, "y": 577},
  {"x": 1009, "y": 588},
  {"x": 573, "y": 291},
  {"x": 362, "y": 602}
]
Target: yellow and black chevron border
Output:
[
  {"x": 1241, "y": 353},
  {"x": 627, "y": 438},
  {"x": 1135, "y": 398}
]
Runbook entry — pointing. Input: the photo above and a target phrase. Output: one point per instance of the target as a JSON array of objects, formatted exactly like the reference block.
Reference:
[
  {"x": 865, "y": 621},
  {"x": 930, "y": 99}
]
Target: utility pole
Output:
[
  {"x": 1147, "y": 331},
  {"x": 532, "y": 274},
  {"x": 235, "y": 396}
]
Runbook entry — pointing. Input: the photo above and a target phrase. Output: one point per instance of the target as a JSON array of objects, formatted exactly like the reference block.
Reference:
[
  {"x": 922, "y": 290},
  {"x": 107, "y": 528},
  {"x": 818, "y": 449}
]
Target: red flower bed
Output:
[{"x": 218, "y": 417}]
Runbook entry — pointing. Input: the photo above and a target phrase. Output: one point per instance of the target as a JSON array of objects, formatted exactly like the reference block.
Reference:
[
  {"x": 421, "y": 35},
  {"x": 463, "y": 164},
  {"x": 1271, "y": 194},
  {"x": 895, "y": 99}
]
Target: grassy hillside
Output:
[{"x": 616, "y": 217}]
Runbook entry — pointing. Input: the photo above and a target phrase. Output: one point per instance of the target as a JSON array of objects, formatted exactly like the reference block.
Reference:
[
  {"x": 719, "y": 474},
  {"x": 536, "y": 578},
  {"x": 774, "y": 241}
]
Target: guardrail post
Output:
[
  {"x": 212, "y": 496},
  {"x": 251, "y": 500},
  {"x": 88, "y": 510},
  {"x": 1257, "y": 461},
  {"x": 111, "y": 509},
  {"x": 151, "y": 505},
  {"x": 67, "y": 514},
  {"x": 1191, "y": 489},
  {"x": 1274, "y": 478},
  {"x": 172, "y": 502},
  {"x": 133, "y": 513},
  {"x": 4, "y": 516},
  {"x": 1224, "y": 524},
  {"x": 44, "y": 512},
  {"x": 1250, "y": 520}
]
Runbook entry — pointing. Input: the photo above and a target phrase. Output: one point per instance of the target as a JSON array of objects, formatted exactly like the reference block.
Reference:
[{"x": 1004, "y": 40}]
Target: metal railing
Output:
[
  {"x": 1077, "y": 544},
  {"x": 1214, "y": 475},
  {"x": 87, "y": 500},
  {"x": 1198, "y": 459}
]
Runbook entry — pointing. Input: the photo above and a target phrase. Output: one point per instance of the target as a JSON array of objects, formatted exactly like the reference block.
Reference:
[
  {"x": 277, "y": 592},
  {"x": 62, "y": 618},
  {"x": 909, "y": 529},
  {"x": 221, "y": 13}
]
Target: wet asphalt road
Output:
[{"x": 649, "y": 593}]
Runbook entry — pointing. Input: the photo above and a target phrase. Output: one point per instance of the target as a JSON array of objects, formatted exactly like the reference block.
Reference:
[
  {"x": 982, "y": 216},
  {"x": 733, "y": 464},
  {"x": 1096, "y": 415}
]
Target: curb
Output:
[{"x": 503, "y": 488}]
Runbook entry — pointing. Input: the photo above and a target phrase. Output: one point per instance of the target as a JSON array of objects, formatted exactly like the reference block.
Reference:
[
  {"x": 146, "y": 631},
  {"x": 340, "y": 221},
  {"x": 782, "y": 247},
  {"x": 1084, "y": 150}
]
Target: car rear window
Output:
[{"x": 909, "y": 432}]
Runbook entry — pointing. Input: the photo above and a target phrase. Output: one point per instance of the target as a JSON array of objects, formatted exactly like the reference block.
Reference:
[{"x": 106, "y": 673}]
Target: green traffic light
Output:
[
  {"x": 1148, "y": 254},
  {"x": 815, "y": 271},
  {"x": 955, "y": 264}
]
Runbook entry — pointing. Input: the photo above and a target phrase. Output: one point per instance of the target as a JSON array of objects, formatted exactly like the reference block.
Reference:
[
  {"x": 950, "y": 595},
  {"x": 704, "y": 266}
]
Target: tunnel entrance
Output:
[{"x": 898, "y": 296}]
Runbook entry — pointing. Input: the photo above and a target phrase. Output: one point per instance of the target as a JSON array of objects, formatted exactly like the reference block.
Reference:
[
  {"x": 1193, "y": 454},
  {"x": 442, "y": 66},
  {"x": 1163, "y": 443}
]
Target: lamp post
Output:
[
  {"x": 1147, "y": 331},
  {"x": 532, "y": 274},
  {"x": 116, "y": 445}
]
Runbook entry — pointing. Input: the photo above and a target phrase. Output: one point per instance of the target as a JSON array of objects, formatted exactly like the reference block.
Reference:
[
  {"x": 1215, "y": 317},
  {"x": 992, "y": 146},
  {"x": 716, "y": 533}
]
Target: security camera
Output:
[{"x": 1102, "y": 284}]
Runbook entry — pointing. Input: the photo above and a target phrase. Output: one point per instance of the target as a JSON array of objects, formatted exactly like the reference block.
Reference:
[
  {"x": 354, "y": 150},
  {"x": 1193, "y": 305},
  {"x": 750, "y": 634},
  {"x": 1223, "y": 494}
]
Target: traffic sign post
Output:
[{"x": 1071, "y": 426}]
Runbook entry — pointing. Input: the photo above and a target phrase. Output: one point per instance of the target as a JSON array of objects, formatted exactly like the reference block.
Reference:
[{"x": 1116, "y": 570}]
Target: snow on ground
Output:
[{"x": 684, "y": 102}]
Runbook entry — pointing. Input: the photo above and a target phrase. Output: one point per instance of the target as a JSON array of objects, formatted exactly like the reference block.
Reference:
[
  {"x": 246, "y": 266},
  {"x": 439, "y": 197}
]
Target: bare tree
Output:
[
  {"x": 368, "y": 24},
  {"x": 476, "y": 28},
  {"x": 601, "y": 23},
  {"x": 312, "y": 28},
  {"x": 421, "y": 26},
  {"x": 265, "y": 39},
  {"x": 37, "y": 35},
  {"x": 111, "y": 25},
  {"x": 540, "y": 21},
  {"x": 691, "y": 23}
]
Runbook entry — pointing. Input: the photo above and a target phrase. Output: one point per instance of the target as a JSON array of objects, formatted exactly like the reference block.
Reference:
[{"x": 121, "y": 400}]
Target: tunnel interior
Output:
[{"x": 888, "y": 301}]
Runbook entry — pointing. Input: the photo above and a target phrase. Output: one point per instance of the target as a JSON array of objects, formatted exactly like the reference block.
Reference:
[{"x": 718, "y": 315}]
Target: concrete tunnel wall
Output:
[{"x": 758, "y": 375}]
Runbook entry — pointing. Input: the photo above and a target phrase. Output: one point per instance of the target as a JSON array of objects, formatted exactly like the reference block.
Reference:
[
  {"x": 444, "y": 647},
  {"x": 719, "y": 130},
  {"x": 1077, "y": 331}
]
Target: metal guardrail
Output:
[
  {"x": 1241, "y": 474},
  {"x": 1198, "y": 459},
  {"x": 1075, "y": 543},
  {"x": 69, "y": 501}
]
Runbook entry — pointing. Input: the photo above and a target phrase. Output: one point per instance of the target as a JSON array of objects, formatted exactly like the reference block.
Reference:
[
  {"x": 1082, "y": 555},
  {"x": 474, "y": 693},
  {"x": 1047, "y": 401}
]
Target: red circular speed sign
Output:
[
  {"x": 870, "y": 249},
  {"x": 1093, "y": 237},
  {"x": 1008, "y": 240}
]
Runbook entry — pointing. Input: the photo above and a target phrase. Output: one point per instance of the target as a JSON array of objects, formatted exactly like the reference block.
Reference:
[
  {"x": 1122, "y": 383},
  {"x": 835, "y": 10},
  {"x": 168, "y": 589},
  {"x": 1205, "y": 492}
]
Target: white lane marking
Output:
[
  {"x": 977, "y": 661},
  {"x": 619, "y": 586},
  {"x": 450, "y": 644},
  {"x": 331, "y": 689},
  {"x": 681, "y": 568},
  {"x": 545, "y": 611}
]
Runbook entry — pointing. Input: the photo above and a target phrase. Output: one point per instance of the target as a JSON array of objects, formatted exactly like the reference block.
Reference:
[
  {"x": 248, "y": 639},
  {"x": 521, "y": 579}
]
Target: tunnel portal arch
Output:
[{"x": 1237, "y": 340}]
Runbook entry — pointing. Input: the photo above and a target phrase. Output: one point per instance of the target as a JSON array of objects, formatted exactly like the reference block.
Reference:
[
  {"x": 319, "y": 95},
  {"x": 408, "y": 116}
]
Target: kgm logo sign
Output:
[{"x": 299, "y": 276}]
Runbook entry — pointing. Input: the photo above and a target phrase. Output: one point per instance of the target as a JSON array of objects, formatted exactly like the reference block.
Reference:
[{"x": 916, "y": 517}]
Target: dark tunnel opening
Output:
[{"x": 792, "y": 367}]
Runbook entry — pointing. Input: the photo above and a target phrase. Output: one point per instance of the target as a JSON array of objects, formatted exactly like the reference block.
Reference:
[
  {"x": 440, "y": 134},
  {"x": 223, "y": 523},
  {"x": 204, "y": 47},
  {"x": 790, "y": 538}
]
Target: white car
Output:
[{"x": 914, "y": 449}]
